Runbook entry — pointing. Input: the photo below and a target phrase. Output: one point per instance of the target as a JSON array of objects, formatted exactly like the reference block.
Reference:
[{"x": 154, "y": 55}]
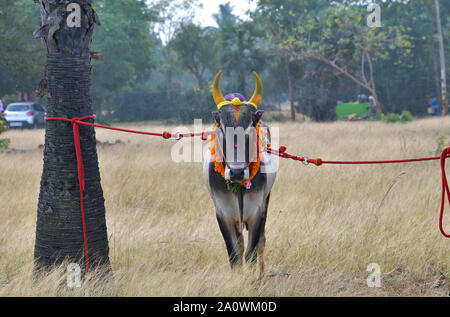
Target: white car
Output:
[{"x": 24, "y": 115}]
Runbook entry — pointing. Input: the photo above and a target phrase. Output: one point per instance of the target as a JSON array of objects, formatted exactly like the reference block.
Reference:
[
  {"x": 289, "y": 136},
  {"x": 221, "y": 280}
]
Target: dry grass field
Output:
[{"x": 325, "y": 224}]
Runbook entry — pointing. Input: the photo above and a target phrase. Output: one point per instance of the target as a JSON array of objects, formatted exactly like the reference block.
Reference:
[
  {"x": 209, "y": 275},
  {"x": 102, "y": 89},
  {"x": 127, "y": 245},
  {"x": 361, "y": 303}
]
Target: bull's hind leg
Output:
[
  {"x": 260, "y": 251},
  {"x": 234, "y": 240}
]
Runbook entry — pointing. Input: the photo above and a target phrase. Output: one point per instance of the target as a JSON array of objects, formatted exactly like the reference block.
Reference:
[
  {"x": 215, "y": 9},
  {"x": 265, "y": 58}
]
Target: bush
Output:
[
  {"x": 4, "y": 143},
  {"x": 7, "y": 99},
  {"x": 406, "y": 116},
  {"x": 278, "y": 118},
  {"x": 193, "y": 104},
  {"x": 440, "y": 145},
  {"x": 391, "y": 117},
  {"x": 182, "y": 106}
]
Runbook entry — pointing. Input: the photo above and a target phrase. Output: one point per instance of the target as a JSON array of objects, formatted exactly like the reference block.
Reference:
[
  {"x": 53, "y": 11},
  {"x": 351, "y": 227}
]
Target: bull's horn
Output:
[
  {"x": 257, "y": 95},
  {"x": 217, "y": 93}
]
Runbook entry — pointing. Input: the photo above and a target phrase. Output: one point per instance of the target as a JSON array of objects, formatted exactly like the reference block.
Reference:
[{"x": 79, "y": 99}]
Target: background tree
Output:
[
  {"x": 406, "y": 79},
  {"x": 171, "y": 14},
  {"x": 21, "y": 58},
  {"x": 126, "y": 48},
  {"x": 196, "y": 50},
  {"x": 350, "y": 47},
  {"x": 285, "y": 20},
  {"x": 139, "y": 76},
  {"x": 225, "y": 15},
  {"x": 238, "y": 50},
  {"x": 59, "y": 230}
]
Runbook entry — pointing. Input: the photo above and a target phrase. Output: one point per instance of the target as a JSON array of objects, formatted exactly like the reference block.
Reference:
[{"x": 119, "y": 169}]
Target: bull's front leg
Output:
[
  {"x": 232, "y": 235},
  {"x": 257, "y": 238}
]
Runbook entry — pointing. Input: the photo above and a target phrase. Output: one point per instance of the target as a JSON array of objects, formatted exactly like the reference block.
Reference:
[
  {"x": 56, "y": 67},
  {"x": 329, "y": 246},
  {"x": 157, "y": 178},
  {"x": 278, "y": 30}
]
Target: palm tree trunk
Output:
[{"x": 59, "y": 231}]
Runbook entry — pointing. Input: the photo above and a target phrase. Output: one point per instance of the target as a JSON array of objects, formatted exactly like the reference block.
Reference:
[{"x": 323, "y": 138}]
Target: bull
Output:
[{"x": 235, "y": 175}]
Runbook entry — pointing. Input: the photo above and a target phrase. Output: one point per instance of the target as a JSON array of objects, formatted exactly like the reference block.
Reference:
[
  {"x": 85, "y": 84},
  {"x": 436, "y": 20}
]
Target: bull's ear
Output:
[
  {"x": 215, "y": 114},
  {"x": 257, "y": 116}
]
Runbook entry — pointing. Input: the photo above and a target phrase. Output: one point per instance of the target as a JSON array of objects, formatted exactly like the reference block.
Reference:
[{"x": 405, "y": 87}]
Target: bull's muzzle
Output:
[{"x": 237, "y": 174}]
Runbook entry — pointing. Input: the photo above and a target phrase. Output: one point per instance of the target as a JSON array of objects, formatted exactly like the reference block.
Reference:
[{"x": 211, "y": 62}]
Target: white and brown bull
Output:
[{"x": 236, "y": 173}]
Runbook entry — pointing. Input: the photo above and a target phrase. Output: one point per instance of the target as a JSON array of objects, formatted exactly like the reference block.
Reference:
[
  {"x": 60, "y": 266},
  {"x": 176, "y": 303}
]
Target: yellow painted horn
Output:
[
  {"x": 217, "y": 93},
  {"x": 257, "y": 95}
]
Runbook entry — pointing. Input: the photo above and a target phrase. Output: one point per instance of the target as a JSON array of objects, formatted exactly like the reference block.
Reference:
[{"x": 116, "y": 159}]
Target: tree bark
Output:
[
  {"x": 373, "y": 86},
  {"x": 437, "y": 81},
  {"x": 59, "y": 231},
  {"x": 242, "y": 83},
  {"x": 442, "y": 57},
  {"x": 199, "y": 78},
  {"x": 199, "y": 81},
  {"x": 291, "y": 86}
]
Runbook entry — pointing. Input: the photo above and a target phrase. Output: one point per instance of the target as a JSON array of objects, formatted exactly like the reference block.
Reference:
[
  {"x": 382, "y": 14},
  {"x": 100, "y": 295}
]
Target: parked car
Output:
[{"x": 24, "y": 115}]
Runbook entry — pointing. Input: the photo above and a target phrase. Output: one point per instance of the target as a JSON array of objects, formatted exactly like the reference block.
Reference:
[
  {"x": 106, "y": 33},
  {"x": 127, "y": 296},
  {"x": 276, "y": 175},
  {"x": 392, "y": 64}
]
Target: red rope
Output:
[
  {"x": 76, "y": 122},
  {"x": 166, "y": 135},
  {"x": 444, "y": 155},
  {"x": 76, "y": 138},
  {"x": 281, "y": 152}
]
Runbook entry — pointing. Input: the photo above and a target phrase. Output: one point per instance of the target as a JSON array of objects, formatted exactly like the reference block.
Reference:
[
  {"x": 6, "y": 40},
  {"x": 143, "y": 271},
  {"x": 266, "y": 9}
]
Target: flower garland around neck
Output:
[{"x": 254, "y": 166}]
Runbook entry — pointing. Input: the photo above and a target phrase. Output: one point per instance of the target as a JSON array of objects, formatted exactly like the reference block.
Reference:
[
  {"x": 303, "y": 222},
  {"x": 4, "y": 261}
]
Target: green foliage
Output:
[
  {"x": 7, "y": 99},
  {"x": 193, "y": 104},
  {"x": 225, "y": 15},
  {"x": 238, "y": 52},
  {"x": 21, "y": 56},
  {"x": 184, "y": 105},
  {"x": 391, "y": 117},
  {"x": 4, "y": 143},
  {"x": 234, "y": 187},
  {"x": 441, "y": 145},
  {"x": 196, "y": 50},
  {"x": 152, "y": 55},
  {"x": 278, "y": 118},
  {"x": 126, "y": 48},
  {"x": 406, "y": 116}
]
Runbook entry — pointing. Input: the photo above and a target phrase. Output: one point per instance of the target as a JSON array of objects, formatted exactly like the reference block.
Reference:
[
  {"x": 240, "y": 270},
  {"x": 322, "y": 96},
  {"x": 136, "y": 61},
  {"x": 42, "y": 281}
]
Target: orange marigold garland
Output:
[{"x": 254, "y": 166}]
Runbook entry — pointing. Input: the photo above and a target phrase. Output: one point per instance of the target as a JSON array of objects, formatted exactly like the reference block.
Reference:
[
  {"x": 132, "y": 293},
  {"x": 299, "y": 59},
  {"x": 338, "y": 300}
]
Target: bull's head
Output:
[{"x": 236, "y": 134}]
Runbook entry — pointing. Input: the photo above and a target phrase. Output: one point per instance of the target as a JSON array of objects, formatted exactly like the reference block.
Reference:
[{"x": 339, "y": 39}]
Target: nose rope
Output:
[
  {"x": 218, "y": 166},
  {"x": 223, "y": 154},
  {"x": 221, "y": 149}
]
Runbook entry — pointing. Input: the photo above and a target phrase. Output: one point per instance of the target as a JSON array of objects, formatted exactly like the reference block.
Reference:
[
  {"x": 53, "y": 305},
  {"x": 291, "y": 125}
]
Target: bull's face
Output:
[{"x": 236, "y": 134}]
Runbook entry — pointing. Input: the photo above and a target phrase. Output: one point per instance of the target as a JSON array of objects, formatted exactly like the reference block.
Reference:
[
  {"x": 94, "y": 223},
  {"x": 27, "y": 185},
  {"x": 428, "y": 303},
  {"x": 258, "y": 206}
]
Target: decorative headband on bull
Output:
[{"x": 238, "y": 100}]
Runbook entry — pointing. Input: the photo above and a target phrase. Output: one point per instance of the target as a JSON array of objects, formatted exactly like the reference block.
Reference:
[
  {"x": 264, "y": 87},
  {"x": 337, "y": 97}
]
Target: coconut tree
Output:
[{"x": 66, "y": 31}]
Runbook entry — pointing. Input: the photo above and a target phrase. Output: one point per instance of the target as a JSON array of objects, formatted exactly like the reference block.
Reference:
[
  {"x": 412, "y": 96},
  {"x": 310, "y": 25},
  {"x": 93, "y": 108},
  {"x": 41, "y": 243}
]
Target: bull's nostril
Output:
[{"x": 237, "y": 174}]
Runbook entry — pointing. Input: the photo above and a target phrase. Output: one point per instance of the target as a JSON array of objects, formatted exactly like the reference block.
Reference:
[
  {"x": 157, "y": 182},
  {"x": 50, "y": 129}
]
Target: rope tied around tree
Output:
[{"x": 281, "y": 152}]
